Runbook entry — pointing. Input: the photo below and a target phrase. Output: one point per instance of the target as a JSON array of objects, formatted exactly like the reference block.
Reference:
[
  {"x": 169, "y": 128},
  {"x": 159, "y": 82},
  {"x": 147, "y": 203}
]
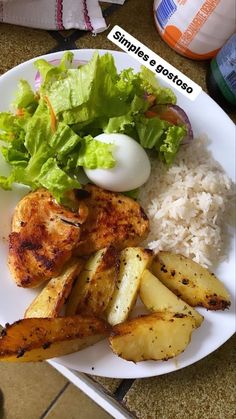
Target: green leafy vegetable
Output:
[
  {"x": 56, "y": 180},
  {"x": 151, "y": 131},
  {"x": 94, "y": 154},
  {"x": 171, "y": 143},
  {"x": 50, "y": 137},
  {"x": 151, "y": 85},
  {"x": 25, "y": 97}
]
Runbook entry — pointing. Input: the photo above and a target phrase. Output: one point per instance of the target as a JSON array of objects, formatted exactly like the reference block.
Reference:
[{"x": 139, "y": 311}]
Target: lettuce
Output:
[
  {"x": 154, "y": 133},
  {"x": 171, "y": 143},
  {"x": 151, "y": 132},
  {"x": 40, "y": 157},
  {"x": 25, "y": 97},
  {"x": 151, "y": 85},
  {"x": 51, "y": 136},
  {"x": 94, "y": 154},
  {"x": 56, "y": 180},
  {"x": 50, "y": 72},
  {"x": 85, "y": 93}
]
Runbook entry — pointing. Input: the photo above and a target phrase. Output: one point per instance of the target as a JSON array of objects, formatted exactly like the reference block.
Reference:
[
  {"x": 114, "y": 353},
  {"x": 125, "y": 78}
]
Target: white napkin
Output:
[{"x": 54, "y": 14}]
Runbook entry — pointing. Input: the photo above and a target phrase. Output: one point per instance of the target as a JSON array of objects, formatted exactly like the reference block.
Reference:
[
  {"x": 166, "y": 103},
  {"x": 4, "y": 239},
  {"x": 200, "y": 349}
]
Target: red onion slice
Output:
[
  {"x": 183, "y": 118},
  {"x": 38, "y": 80}
]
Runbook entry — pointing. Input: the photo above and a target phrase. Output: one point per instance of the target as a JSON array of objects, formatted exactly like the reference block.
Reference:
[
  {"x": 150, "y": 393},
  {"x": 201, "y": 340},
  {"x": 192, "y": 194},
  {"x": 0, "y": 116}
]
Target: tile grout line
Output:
[{"x": 54, "y": 400}]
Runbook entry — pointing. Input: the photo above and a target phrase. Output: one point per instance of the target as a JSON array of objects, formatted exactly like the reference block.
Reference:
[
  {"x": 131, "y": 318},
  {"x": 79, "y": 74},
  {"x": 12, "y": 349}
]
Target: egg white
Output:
[{"x": 132, "y": 167}]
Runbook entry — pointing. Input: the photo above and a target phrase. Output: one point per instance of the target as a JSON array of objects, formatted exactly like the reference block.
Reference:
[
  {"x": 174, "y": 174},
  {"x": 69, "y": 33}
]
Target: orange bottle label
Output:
[{"x": 190, "y": 27}]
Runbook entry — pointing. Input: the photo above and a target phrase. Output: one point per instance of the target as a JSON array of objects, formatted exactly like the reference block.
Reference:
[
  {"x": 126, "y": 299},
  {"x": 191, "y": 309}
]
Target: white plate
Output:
[{"x": 207, "y": 118}]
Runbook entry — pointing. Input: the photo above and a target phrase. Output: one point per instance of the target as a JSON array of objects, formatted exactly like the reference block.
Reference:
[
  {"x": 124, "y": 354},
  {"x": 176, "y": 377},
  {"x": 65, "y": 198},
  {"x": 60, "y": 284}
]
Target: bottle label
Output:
[
  {"x": 164, "y": 11},
  {"x": 189, "y": 26},
  {"x": 226, "y": 62},
  {"x": 223, "y": 86}
]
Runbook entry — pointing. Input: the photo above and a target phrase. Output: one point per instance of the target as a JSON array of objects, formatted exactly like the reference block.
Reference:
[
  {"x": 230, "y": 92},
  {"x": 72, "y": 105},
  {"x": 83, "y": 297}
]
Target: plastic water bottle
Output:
[{"x": 195, "y": 28}]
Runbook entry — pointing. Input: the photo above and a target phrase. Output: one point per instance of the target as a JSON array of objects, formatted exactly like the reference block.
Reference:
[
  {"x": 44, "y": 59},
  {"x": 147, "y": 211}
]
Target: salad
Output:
[{"x": 49, "y": 137}]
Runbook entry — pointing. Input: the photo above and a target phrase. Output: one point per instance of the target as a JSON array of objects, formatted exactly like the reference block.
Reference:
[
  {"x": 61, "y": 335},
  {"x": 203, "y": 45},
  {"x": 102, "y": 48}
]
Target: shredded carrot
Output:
[
  {"x": 151, "y": 99},
  {"x": 150, "y": 114},
  {"x": 52, "y": 114},
  {"x": 37, "y": 96},
  {"x": 20, "y": 112}
]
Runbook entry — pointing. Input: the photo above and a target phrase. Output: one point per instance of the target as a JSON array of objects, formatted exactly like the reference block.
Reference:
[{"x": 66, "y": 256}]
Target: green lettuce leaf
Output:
[
  {"x": 25, "y": 97},
  {"x": 12, "y": 126},
  {"x": 88, "y": 92},
  {"x": 86, "y": 101},
  {"x": 14, "y": 156},
  {"x": 126, "y": 123},
  {"x": 171, "y": 144},
  {"x": 64, "y": 141},
  {"x": 154, "y": 133},
  {"x": 151, "y": 85},
  {"x": 151, "y": 131},
  {"x": 7, "y": 181},
  {"x": 94, "y": 154},
  {"x": 56, "y": 180},
  {"x": 50, "y": 72},
  {"x": 119, "y": 123},
  {"x": 134, "y": 193},
  {"x": 18, "y": 175}
]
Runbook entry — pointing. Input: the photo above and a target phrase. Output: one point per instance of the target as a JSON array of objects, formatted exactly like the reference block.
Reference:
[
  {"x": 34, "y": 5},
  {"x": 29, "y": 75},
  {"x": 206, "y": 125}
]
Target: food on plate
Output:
[
  {"x": 95, "y": 284},
  {"x": 31, "y": 340},
  {"x": 133, "y": 261},
  {"x": 157, "y": 297},
  {"x": 46, "y": 234},
  {"x": 132, "y": 167},
  {"x": 93, "y": 124},
  {"x": 108, "y": 287},
  {"x": 43, "y": 238},
  {"x": 190, "y": 281},
  {"x": 50, "y": 138},
  {"x": 189, "y": 205},
  {"x": 51, "y": 299},
  {"x": 173, "y": 114},
  {"x": 113, "y": 219},
  {"x": 157, "y": 336}
]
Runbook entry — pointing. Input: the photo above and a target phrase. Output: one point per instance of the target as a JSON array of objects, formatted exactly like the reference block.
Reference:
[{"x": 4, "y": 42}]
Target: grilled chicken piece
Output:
[
  {"x": 44, "y": 236},
  {"x": 113, "y": 219}
]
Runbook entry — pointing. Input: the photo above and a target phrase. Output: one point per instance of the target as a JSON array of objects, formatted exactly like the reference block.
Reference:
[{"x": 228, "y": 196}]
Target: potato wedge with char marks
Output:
[
  {"x": 190, "y": 281},
  {"x": 133, "y": 261},
  {"x": 31, "y": 340},
  {"x": 95, "y": 284},
  {"x": 157, "y": 297},
  {"x": 158, "y": 336},
  {"x": 53, "y": 296}
]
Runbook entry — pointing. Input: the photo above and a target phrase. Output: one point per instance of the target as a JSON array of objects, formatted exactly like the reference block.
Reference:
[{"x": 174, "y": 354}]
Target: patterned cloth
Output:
[{"x": 54, "y": 14}]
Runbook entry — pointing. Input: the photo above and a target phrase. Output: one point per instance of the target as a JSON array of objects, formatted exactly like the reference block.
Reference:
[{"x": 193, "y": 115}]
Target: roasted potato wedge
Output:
[
  {"x": 157, "y": 336},
  {"x": 190, "y": 281},
  {"x": 52, "y": 298},
  {"x": 96, "y": 283},
  {"x": 157, "y": 297},
  {"x": 31, "y": 340},
  {"x": 133, "y": 261}
]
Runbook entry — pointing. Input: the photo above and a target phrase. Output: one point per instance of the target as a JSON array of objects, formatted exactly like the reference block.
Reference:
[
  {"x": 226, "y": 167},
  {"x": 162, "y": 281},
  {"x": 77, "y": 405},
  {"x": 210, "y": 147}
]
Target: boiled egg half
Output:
[{"x": 132, "y": 167}]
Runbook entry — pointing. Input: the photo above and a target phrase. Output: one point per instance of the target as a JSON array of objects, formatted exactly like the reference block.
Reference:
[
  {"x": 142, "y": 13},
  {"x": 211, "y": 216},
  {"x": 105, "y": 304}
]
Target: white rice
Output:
[{"x": 188, "y": 205}]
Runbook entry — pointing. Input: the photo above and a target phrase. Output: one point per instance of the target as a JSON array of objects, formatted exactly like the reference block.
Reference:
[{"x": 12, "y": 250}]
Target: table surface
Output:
[{"x": 206, "y": 389}]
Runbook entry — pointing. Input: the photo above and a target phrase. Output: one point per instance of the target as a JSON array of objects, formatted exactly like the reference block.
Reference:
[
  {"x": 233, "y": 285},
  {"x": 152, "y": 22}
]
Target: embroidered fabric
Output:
[{"x": 54, "y": 14}]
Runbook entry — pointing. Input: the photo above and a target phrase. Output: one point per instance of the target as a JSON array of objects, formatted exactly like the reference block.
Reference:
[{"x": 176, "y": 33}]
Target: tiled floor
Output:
[
  {"x": 38, "y": 391},
  {"x": 77, "y": 404}
]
